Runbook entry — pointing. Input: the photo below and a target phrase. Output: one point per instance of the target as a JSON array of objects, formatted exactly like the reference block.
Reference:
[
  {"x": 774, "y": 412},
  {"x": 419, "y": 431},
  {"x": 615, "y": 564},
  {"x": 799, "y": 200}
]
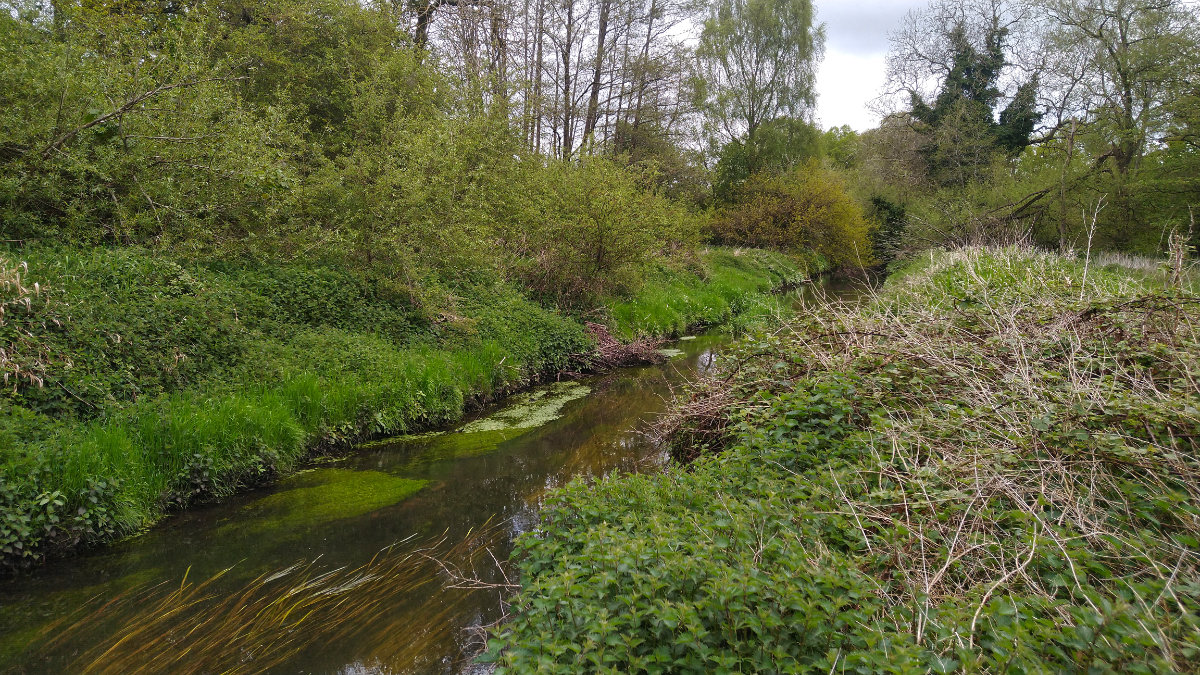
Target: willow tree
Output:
[{"x": 758, "y": 62}]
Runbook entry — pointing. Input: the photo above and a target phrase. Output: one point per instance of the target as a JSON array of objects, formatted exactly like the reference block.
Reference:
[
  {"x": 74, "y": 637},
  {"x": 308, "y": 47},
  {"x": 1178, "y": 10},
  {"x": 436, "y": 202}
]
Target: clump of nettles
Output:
[{"x": 992, "y": 466}]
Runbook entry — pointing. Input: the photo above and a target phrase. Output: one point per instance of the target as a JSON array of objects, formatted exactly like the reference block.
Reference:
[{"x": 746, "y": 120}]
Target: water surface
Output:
[{"x": 459, "y": 497}]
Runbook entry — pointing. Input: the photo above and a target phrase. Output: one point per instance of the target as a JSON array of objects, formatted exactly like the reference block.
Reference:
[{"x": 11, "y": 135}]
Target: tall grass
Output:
[{"x": 672, "y": 302}]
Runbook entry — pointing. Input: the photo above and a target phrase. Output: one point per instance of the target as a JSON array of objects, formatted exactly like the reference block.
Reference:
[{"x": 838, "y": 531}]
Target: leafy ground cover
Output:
[
  {"x": 992, "y": 466},
  {"x": 138, "y": 383}
]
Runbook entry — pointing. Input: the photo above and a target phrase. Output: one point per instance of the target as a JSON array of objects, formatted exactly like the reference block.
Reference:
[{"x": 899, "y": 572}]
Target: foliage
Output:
[
  {"x": 779, "y": 146},
  {"x": 103, "y": 145},
  {"x": 964, "y": 133},
  {"x": 758, "y": 61},
  {"x": 992, "y": 466},
  {"x": 673, "y": 300},
  {"x": 1020, "y": 118},
  {"x": 806, "y": 209},
  {"x": 607, "y": 225},
  {"x": 176, "y": 382}
]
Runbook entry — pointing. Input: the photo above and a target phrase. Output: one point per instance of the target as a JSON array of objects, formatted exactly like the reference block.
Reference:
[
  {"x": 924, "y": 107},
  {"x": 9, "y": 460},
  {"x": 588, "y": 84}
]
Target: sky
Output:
[{"x": 852, "y": 73}]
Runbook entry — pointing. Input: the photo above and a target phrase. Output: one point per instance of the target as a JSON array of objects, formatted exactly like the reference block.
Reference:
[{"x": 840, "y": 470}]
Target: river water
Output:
[{"x": 382, "y": 562}]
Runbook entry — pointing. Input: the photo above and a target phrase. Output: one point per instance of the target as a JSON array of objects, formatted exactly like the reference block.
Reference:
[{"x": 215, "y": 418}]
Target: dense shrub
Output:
[
  {"x": 100, "y": 147},
  {"x": 606, "y": 225},
  {"x": 805, "y": 210}
]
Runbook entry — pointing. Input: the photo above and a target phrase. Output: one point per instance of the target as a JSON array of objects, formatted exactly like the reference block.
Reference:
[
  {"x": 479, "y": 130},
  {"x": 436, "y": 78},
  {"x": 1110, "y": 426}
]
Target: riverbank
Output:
[
  {"x": 990, "y": 466},
  {"x": 145, "y": 384}
]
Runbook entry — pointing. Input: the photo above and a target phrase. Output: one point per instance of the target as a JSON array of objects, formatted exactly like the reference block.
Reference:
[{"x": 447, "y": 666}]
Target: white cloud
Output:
[
  {"x": 846, "y": 83},
  {"x": 856, "y": 46}
]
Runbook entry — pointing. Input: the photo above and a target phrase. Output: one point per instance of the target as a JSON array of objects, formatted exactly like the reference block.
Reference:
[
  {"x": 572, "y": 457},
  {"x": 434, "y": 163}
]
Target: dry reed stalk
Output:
[{"x": 995, "y": 371}]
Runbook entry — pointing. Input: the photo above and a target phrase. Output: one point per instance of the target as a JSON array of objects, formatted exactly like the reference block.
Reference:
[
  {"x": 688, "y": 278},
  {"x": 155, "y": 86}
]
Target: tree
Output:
[
  {"x": 758, "y": 60},
  {"x": 1128, "y": 58},
  {"x": 777, "y": 147},
  {"x": 1124, "y": 67},
  {"x": 967, "y": 58}
]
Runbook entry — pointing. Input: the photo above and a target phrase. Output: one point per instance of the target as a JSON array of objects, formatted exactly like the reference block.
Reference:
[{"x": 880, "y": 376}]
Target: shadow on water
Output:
[{"x": 336, "y": 569}]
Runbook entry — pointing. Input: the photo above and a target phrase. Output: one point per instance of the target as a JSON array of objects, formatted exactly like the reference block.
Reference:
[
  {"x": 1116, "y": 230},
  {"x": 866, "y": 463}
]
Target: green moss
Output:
[
  {"x": 459, "y": 444},
  {"x": 324, "y": 495}
]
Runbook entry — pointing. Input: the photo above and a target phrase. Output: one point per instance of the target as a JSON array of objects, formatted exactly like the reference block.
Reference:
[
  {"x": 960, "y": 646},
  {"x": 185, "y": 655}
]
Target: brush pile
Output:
[{"x": 611, "y": 353}]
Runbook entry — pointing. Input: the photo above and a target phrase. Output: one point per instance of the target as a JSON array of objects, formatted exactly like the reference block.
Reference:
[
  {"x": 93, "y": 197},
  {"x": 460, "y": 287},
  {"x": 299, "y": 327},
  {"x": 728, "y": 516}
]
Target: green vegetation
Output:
[
  {"x": 238, "y": 233},
  {"x": 1070, "y": 124},
  {"x": 317, "y": 497},
  {"x": 142, "y": 383},
  {"x": 731, "y": 290},
  {"x": 807, "y": 209},
  {"x": 991, "y": 466}
]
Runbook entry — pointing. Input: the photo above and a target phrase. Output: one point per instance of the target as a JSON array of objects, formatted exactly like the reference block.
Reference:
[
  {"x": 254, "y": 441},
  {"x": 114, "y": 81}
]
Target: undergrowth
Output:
[
  {"x": 138, "y": 384},
  {"x": 991, "y": 466}
]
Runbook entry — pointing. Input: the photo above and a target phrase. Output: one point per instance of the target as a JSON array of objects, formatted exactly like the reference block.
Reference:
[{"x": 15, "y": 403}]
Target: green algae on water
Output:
[
  {"x": 670, "y": 353},
  {"x": 323, "y": 496},
  {"x": 459, "y": 445},
  {"x": 531, "y": 410},
  {"x": 393, "y": 440}
]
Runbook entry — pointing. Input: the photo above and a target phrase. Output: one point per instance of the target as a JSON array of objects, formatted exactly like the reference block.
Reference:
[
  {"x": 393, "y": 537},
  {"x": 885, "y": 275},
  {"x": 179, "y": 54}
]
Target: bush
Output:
[
  {"x": 606, "y": 225},
  {"x": 805, "y": 210}
]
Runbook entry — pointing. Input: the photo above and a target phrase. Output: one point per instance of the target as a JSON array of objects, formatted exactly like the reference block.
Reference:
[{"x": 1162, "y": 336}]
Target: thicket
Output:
[
  {"x": 991, "y": 466},
  {"x": 274, "y": 130},
  {"x": 806, "y": 209},
  {"x": 1071, "y": 123}
]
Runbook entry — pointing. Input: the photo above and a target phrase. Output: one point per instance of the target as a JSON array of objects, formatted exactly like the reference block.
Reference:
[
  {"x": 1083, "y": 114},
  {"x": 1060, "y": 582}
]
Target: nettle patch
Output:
[{"x": 986, "y": 469}]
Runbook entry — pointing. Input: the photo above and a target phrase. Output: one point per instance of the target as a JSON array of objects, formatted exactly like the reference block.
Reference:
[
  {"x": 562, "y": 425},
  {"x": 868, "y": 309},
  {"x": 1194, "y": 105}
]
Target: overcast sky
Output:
[{"x": 855, "y": 47}]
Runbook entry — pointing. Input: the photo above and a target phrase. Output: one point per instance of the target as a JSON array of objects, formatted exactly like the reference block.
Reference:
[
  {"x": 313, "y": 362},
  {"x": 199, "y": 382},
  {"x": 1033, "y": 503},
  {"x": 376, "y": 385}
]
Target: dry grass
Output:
[{"x": 1015, "y": 426}]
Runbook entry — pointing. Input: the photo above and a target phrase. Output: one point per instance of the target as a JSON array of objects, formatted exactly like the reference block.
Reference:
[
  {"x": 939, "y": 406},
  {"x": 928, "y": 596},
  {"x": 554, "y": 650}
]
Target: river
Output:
[{"x": 381, "y": 562}]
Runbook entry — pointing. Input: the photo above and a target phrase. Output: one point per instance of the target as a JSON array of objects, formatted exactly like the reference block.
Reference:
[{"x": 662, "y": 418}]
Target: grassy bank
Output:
[
  {"x": 990, "y": 467},
  {"x": 140, "y": 384}
]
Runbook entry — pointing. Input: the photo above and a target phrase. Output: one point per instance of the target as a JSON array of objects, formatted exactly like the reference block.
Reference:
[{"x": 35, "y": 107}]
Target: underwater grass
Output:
[{"x": 190, "y": 626}]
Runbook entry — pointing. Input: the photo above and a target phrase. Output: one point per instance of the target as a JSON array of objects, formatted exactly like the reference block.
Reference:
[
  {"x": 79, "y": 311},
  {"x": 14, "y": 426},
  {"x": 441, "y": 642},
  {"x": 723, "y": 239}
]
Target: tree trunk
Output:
[
  {"x": 594, "y": 101},
  {"x": 565, "y": 50}
]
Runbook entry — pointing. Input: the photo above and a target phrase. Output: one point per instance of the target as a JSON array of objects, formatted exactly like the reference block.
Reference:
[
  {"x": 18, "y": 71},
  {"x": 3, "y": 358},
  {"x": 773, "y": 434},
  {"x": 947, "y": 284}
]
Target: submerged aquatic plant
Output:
[{"x": 202, "y": 627}]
